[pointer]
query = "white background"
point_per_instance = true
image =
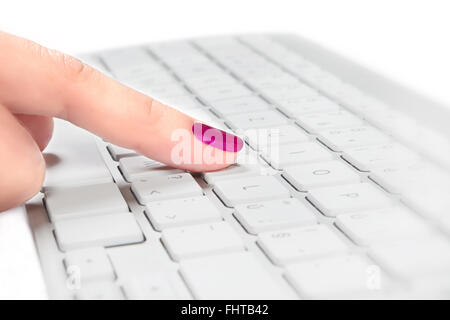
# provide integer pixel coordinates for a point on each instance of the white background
(407, 40)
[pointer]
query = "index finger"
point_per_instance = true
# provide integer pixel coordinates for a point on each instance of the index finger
(36, 80)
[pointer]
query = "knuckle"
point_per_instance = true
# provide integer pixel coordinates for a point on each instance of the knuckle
(71, 68)
(63, 64)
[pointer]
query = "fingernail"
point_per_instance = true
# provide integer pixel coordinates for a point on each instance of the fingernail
(217, 138)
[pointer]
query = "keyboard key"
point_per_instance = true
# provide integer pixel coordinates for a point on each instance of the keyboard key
(274, 215)
(336, 277)
(141, 167)
(297, 90)
(132, 75)
(126, 57)
(73, 158)
(164, 92)
(137, 261)
(146, 78)
(192, 70)
(328, 120)
(260, 119)
(104, 230)
(160, 188)
(342, 139)
(75, 202)
(304, 105)
(382, 225)
(155, 287)
(411, 259)
(100, 291)
(320, 174)
(335, 200)
(235, 171)
(183, 102)
(212, 94)
(230, 276)
(295, 154)
(273, 81)
(269, 138)
(250, 189)
(118, 152)
(400, 180)
(182, 212)
(240, 105)
(206, 116)
(430, 199)
(91, 264)
(366, 158)
(210, 80)
(287, 246)
(203, 239)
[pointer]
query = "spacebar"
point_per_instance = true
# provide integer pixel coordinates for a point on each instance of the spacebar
(72, 158)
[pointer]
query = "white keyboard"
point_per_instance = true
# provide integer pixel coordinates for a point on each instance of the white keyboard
(339, 206)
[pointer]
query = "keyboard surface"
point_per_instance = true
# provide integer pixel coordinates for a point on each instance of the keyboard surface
(325, 200)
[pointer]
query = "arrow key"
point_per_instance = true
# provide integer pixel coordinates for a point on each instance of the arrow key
(181, 212)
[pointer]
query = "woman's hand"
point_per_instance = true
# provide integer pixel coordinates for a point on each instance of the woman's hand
(37, 84)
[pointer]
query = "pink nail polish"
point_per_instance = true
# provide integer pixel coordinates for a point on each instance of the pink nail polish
(217, 138)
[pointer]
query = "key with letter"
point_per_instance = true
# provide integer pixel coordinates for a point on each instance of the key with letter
(328, 120)
(335, 200)
(269, 138)
(299, 153)
(258, 119)
(212, 94)
(320, 174)
(135, 168)
(309, 104)
(393, 155)
(342, 139)
(286, 246)
(383, 225)
(274, 215)
(240, 105)
(250, 189)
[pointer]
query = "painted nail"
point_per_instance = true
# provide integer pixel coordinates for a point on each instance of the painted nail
(217, 138)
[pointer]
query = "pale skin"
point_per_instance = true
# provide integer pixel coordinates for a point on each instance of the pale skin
(38, 84)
